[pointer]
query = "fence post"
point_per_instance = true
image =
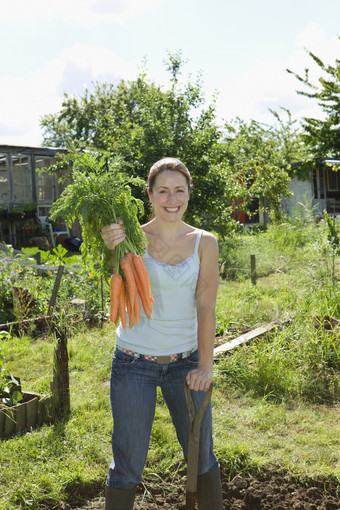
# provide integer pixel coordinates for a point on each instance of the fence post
(253, 269)
(37, 257)
(60, 385)
(55, 289)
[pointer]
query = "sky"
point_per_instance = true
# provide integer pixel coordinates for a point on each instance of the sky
(242, 49)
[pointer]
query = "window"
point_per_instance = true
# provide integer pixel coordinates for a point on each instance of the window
(22, 179)
(45, 181)
(318, 183)
(4, 191)
(333, 179)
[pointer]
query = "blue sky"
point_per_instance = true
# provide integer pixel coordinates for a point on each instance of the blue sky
(242, 48)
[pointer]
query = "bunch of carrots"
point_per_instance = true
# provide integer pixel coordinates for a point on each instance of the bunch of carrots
(130, 291)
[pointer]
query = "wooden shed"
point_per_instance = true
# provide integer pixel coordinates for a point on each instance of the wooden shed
(27, 193)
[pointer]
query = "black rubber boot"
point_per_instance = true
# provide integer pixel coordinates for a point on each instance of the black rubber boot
(209, 491)
(119, 499)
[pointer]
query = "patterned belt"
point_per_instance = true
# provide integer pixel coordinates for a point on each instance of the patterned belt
(161, 360)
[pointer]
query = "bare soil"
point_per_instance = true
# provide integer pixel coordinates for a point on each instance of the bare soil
(268, 491)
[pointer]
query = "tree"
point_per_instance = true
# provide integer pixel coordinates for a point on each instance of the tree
(323, 136)
(262, 155)
(140, 122)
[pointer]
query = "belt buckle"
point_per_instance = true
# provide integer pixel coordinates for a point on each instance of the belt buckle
(163, 360)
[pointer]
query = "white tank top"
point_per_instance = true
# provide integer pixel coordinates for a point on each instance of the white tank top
(173, 326)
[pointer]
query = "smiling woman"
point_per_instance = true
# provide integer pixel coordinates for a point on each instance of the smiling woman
(170, 195)
(173, 348)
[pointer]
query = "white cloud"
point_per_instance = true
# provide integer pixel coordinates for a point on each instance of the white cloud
(41, 93)
(268, 85)
(83, 12)
(77, 67)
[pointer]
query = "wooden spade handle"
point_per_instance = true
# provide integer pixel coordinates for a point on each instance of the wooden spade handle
(194, 441)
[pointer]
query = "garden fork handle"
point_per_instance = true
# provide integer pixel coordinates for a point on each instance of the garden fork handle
(194, 441)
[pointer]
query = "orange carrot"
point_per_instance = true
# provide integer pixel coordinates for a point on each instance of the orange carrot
(146, 307)
(140, 291)
(137, 308)
(129, 255)
(144, 277)
(144, 297)
(116, 283)
(131, 312)
(122, 311)
(129, 280)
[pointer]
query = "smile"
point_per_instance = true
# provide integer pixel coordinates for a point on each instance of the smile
(172, 209)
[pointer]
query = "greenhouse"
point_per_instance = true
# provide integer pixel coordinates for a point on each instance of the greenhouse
(27, 192)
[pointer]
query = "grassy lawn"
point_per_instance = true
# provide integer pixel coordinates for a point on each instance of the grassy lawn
(275, 400)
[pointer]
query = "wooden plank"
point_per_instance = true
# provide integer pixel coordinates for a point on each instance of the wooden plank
(21, 419)
(9, 421)
(8, 325)
(32, 412)
(253, 269)
(254, 333)
(55, 289)
(46, 410)
(2, 422)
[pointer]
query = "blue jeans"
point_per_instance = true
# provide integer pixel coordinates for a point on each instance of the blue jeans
(133, 391)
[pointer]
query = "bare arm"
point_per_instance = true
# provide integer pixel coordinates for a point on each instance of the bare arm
(206, 292)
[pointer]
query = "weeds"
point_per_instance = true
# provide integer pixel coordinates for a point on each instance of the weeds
(25, 294)
(295, 286)
(295, 363)
(333, 232)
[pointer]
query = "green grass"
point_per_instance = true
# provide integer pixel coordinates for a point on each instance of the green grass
(275, 400)
(69, 460)
(301, 439)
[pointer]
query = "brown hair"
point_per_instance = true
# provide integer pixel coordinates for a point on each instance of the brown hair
(173, 164)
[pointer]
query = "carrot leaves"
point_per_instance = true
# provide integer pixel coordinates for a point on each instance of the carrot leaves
(98, 195)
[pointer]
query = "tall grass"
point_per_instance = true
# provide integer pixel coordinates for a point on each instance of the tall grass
(299, 238)
(295, 288)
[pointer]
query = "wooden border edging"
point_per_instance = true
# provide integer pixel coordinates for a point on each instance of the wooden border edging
(254, 333)
(33, 411)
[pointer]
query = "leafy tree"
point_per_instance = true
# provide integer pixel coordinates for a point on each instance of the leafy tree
(262, 156)
(323, 136)
(141, 122)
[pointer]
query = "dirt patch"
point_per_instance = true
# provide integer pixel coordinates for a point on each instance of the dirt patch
(269, 491)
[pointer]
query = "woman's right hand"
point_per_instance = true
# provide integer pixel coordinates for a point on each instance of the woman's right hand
(113, 234)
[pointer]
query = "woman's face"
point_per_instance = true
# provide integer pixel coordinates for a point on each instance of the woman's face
(170, 195)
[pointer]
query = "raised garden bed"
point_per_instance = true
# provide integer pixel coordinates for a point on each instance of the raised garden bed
(32, 411)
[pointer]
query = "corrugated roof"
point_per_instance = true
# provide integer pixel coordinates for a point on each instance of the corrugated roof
(30, 149)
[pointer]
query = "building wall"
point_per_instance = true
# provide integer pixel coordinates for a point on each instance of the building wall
(302, 192)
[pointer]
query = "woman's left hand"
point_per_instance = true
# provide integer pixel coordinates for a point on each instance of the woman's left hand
(199, 379)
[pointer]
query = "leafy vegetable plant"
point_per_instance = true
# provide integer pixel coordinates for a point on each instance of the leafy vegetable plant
(10, 391)
(100, 194)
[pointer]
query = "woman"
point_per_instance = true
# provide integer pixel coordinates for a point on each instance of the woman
(174, 346)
